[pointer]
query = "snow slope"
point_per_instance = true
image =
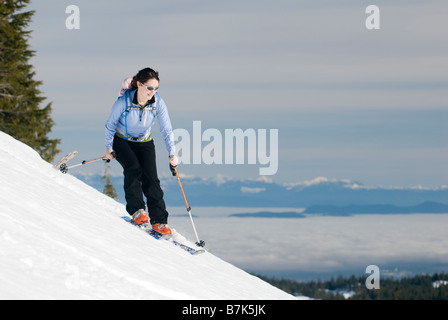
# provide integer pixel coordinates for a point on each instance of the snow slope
(62, 239)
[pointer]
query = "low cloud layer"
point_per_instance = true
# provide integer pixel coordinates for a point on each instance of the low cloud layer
(321, 244)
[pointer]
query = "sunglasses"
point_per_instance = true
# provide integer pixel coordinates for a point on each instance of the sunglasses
(150, 88)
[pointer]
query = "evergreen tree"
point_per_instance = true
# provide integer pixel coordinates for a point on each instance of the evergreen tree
(419, 287)
(20, 115)
(109, 188)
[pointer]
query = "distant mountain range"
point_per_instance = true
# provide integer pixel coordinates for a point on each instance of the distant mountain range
(425, 207)
(262, 192)
(330, 210)
(269, 214)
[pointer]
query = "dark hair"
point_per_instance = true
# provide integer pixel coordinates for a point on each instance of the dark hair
(143, 76)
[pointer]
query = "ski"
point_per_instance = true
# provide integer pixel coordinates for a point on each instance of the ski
(169, 237)
(155, 234)
(190, 250)
(62, 164)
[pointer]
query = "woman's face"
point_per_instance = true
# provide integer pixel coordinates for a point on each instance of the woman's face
(152, 84)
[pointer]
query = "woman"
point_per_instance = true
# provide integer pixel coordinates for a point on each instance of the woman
(129, 140)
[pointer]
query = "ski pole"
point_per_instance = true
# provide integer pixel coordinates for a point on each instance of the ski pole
(199, 243)
(64, 167)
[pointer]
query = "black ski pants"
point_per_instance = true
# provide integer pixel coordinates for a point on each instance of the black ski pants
(138, 160)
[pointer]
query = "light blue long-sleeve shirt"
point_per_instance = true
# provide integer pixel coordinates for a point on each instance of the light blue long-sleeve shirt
(139, 121)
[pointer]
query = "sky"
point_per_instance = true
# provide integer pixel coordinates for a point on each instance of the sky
(347, 102)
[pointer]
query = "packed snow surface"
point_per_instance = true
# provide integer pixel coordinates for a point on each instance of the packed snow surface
(62, 239)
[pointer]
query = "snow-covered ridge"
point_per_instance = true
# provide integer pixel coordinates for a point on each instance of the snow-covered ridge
(62, 239)
(268, 194)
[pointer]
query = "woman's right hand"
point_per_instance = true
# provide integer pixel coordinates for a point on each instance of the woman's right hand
(110, 154)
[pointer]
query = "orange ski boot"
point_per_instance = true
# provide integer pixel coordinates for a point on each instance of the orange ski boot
(140, 217)
(161, 228)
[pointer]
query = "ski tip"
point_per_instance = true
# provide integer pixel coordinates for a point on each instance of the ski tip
(65, 159)
(199, 251)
